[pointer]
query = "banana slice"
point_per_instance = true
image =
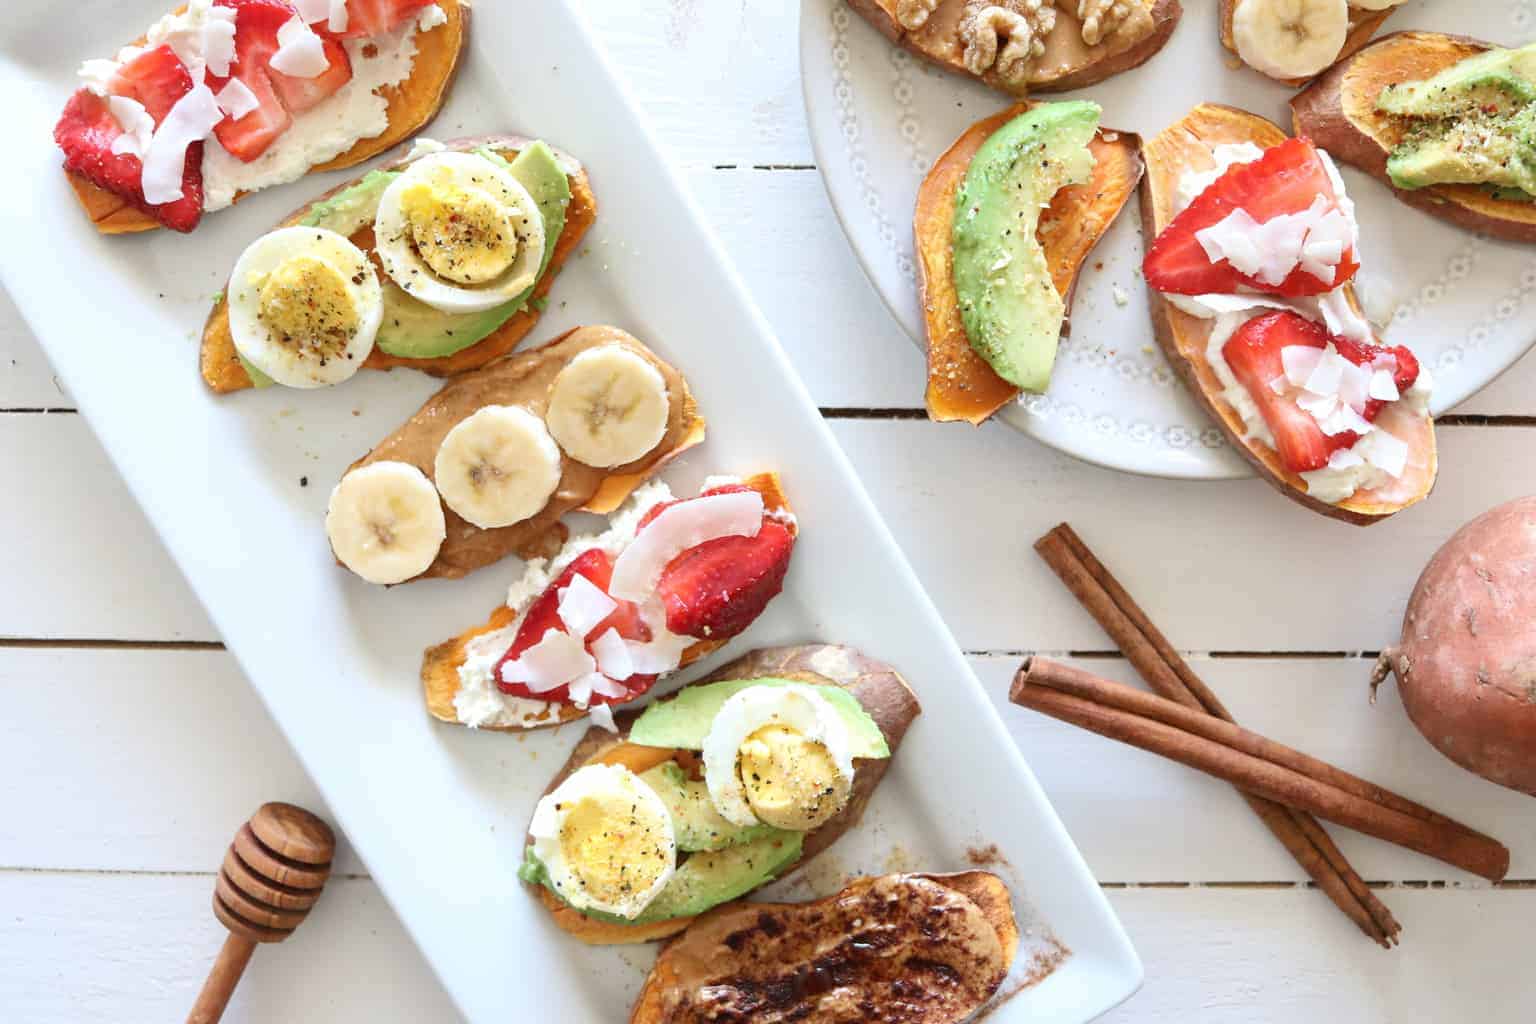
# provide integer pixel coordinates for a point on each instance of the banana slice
(1376, 5)
(385, 522)
(1290, 38)
(608, 407)
(498, 466)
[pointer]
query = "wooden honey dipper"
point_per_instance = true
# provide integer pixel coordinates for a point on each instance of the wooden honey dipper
(271, 876)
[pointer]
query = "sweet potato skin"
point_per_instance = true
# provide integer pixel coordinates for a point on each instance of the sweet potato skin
(1363, 25)
(1165, 16)
(1336, 112)
(961, 385)
(1183, 337)
(1466, 664)
(412, 105)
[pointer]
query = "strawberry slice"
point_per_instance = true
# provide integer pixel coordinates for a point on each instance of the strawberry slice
(375, 17)
(156, 78)
(85, 132)
(1285, 180)
(719, 588)
(1361, 355)
(544, 615)
(300, 94)
(256, 25)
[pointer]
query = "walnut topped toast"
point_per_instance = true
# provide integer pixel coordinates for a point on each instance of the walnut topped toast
(218, 98)
(729, 783)
(1022, 46)
(902, 949)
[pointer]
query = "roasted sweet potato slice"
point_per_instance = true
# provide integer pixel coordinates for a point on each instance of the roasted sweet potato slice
(1362, 26)
(1068, 62)
(440, 664)
(959, 928)
(961, 385)
(878, 687)
(221, 367)
(1187, 145)
(1338, 111)
(412, 104)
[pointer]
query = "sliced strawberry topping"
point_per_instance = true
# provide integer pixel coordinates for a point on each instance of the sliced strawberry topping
(1286, 180)
(299, 94)
(544, 615)
(256, 25)
(375, 17)
(87, 129)
(1406, 373)
(719, 588)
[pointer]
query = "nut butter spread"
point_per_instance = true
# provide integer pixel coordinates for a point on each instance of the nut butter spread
(943, 36)
(523, 379)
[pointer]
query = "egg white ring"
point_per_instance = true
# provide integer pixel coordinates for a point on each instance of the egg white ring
(743, 713)
(254, 341)
(404, 264)
(548, 820)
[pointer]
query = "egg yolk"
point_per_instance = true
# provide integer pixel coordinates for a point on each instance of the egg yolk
(305, 303)
(614, 851)
(790, 780)
(463, 234)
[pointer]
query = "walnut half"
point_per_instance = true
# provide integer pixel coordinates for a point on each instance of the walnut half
(913, 14)
(1100, 18)
(1024, 29)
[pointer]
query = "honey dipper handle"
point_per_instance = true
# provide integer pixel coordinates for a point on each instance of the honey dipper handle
(233, 957)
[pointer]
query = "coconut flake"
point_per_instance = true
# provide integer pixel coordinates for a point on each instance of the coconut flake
(1383, 386)
(1344, 420)
(583, 606)
(664, 651)
(612, 655)
(300, 53)
(549, 664)
(1280, 385)
(1326, 375)
(218, 40)
(1320, 406)
(236, 99)
(602, 717)
(1300, 361)
(1344, 458)
(313, 10)
(678, 528)
(1387, 453)
(336, 19)
(138, 127)
(189, 121)
(98, 75)
(1355, 386)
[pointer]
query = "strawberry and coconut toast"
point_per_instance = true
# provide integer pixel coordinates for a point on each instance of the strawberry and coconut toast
(223, 97)
(1254, 247)
(668, 582)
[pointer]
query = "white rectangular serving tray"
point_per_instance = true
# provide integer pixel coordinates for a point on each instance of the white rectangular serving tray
(438, 813)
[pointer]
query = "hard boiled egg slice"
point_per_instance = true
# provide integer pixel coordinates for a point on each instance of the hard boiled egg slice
(605, 840)
(459, 232)
(778, 755)
(304, 306)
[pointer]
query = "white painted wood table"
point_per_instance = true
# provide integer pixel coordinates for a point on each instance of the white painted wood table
(131, 747)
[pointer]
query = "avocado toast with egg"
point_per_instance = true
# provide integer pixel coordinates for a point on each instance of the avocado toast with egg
(799, 735)
(522, 209)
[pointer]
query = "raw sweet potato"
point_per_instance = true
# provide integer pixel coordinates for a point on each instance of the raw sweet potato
(412, 104)
(961, 385)
(1338, 112)
(1067, 63)
(1187, 145)
(1362, 26)
(1466, 663)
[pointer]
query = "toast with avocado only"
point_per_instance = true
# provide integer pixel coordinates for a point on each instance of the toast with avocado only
(1445, 121)
(1292, 40)
(673, 580)
(1046, 165)
(724, 786)
(221, 98)
(489, 465)
(1252, 252)
(443, 316)
(1022, 46)
(915, 948)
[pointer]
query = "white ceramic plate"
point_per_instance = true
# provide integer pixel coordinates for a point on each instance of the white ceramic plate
(438, 812)
(880, 116)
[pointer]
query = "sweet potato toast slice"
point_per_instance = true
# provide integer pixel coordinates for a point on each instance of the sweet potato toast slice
(440, 664)
(1338, 112)
(961, 385)
(221, 367)
(878, 687)
(1362, 26)
(412, 104)
(1068, 62)
(758, 951)
(1187, 145)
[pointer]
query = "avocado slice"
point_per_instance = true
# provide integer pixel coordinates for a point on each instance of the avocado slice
(704, 880)
(696, 824)
(683, 721)
(1008, 303)
(1497, 150)
(1498, 81)
(412, 329)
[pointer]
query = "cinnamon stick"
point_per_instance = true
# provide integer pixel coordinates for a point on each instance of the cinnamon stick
(1150, 653)
(1250, 762)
